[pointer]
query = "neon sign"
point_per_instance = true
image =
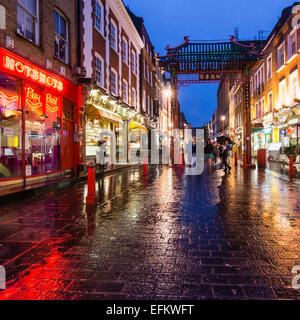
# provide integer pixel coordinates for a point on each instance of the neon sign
(51, 103)
(7, 102)
(32, 98)
(32, 73)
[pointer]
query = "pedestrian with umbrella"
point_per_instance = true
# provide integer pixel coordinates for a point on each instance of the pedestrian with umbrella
(225, 154)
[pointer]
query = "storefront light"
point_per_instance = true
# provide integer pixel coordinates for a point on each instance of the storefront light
(93, 93)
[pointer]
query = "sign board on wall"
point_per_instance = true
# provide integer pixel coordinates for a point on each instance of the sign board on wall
(8, 132)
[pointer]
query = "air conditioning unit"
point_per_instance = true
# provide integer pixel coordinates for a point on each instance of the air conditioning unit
(77, 71)
(62, 70)
(9, 42)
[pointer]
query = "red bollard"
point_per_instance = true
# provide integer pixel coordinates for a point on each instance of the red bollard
(182, 161)
(245, 161)
(236, 158)
(91, 197)
(145, 170)
(291, 171)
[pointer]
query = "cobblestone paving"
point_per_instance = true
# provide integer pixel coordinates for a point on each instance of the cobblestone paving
(167, 236)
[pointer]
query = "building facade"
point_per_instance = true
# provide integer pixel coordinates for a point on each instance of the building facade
(40, 96)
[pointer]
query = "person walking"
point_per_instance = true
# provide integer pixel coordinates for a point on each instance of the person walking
(225, 154)
(215, 152)
(208, 150)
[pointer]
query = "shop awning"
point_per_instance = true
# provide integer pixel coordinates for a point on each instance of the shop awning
(133, 125)
(96, 112)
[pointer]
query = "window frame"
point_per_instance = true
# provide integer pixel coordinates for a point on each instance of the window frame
(115, 93)
(115, 47)
(292, 35)
(67, 61)
(270, 107)
(126, 57)
(269, 67)
(279, 56)
(125, 97)
(102, 82)
(133, 97)
(102, 19)
(36, 24)
(133, 62)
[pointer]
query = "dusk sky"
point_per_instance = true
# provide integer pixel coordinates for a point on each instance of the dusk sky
(168, 21)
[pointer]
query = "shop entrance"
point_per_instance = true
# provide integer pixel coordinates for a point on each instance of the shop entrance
(67, 146)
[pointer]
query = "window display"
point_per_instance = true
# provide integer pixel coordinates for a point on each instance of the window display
(10, 129)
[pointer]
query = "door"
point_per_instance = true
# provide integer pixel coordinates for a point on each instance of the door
(67, 147)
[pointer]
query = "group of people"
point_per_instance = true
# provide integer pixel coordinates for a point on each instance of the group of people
(214, 150)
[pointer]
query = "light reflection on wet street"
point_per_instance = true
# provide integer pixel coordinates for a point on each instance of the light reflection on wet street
(166, 236)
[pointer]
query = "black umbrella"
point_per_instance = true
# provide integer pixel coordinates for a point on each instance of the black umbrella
(222, 139)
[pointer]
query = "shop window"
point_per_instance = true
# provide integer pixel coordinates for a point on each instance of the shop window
(10, 129)
(99, 16)
(27, 19)
(113, 35)
(124, 51)
(42, 131)
(61, 37)
(99, 70)
(114, 82)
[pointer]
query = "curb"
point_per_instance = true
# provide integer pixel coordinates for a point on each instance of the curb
(57, 185)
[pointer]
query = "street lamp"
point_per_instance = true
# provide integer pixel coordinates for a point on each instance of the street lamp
(223, 118)
(167, 93)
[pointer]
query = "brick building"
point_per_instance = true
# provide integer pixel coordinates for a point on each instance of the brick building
(111, 49)
(40, 100)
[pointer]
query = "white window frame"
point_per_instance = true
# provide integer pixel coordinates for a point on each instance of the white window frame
(270, 107)
(293, 94)
(125, 58)
(133, 62)
(269, 67)
(282, 93)
(125, 91)
(292, 36)
(101, 82)
(99, 6)
(116, 91)
(67, 37)
(279, 56)
(260, 76)
(133, 97)
(36, 22)
(114, 44)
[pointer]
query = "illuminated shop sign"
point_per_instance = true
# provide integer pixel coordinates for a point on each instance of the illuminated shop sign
(33, 98)
(32, 73)
(8, 102)
(52, 102)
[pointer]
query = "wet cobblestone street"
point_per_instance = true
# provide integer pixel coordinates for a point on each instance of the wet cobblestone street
(167, 236)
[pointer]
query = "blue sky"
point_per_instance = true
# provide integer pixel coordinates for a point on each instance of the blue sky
(168, 21)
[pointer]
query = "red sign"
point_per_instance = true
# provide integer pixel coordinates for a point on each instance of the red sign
(32, 73)
(52, 103)
(33, 98)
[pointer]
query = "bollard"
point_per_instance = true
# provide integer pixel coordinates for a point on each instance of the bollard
(291, 171)
(236, 158)
(245, 161)
(145, 170)
(91, 197)
(182, 161)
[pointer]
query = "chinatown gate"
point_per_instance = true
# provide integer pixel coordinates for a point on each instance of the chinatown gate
(212, 61)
